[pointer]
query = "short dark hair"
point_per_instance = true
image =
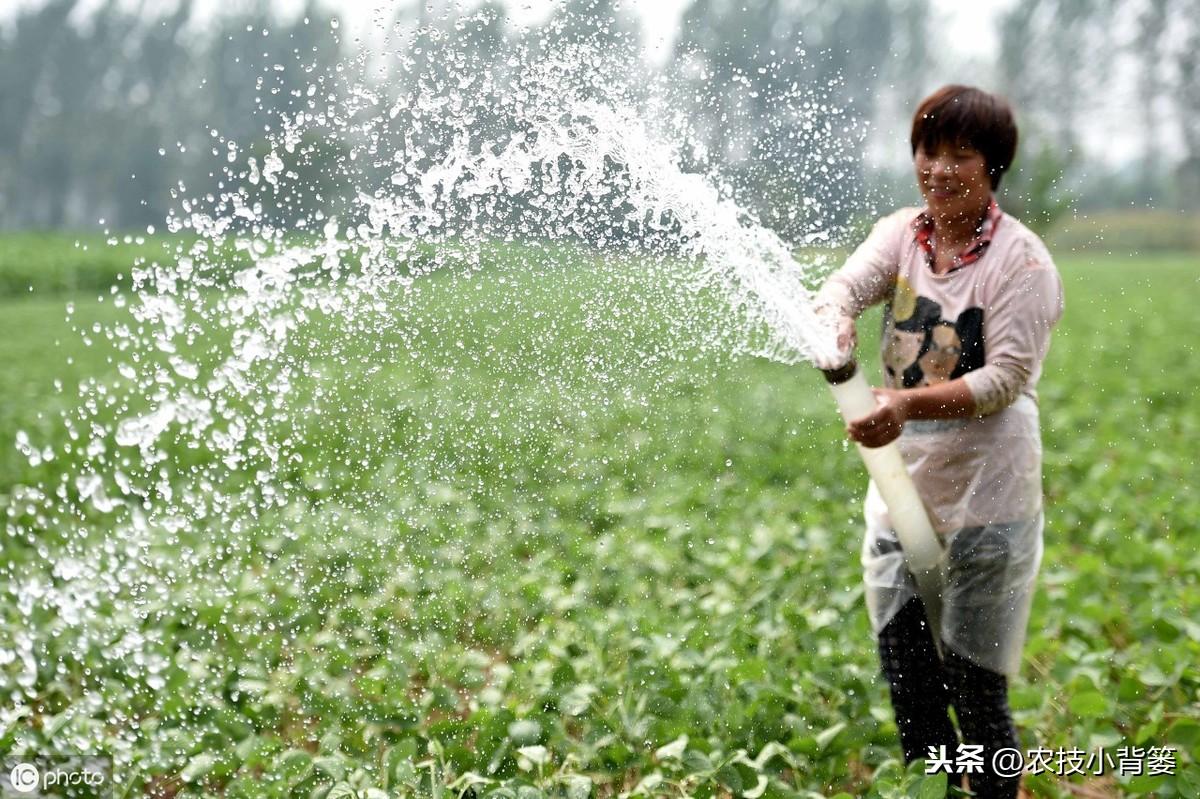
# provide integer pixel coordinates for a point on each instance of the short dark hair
(966, 115)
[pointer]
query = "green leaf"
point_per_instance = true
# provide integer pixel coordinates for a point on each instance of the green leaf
(1188, 782)
(1155, 677)
(1145, 783)
(340, 790)
(534, 755)
(235, 727)
(294, 764)
(578, 787)
(825, 737)
(331, 767)
(648, 783)
(696, 762)
(524, 731)
(749, 670)
(1145, 733)
(673, 749)
(199, 766)
(933, 786)
(772, 749)
(502, 792)
(403, 772)
(760, 787)
(1089, 704)
(405, 748)
(729, 777)
(1185, 733)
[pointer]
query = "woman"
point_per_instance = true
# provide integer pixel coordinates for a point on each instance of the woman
(985, 294)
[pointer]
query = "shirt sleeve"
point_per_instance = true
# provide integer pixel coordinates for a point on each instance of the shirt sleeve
(869, 274)
(1016, 332)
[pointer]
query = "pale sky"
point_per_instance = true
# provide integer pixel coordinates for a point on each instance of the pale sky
(659, 17)
(958, 23)
(963, 21)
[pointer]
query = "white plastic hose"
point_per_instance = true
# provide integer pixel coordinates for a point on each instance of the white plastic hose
(922, 547)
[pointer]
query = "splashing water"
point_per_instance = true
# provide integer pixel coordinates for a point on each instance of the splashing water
(306, 274)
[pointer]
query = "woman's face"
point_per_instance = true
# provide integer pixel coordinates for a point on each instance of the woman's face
(953, 180)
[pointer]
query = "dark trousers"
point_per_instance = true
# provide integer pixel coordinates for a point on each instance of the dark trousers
(923, 686)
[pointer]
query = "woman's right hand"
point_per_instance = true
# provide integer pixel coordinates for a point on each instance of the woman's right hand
(840, 328)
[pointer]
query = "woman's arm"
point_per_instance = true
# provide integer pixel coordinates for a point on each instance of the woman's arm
(1017, 332)
(867, 277)
(1017, 335)
(950, 400)
(869, 274)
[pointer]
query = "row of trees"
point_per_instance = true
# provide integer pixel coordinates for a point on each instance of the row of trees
(1085, 72)
(103, 112)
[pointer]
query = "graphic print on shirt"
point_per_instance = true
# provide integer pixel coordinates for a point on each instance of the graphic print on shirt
(923, 349)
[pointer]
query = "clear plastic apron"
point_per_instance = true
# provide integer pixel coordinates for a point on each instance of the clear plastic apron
(988, 578)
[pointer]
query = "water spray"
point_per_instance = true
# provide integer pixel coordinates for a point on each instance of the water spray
(299, 418)
(921, 545)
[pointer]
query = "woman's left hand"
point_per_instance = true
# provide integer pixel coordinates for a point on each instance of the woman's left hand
(883, 425)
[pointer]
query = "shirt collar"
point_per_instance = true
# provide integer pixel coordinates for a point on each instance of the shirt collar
(923, 227)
